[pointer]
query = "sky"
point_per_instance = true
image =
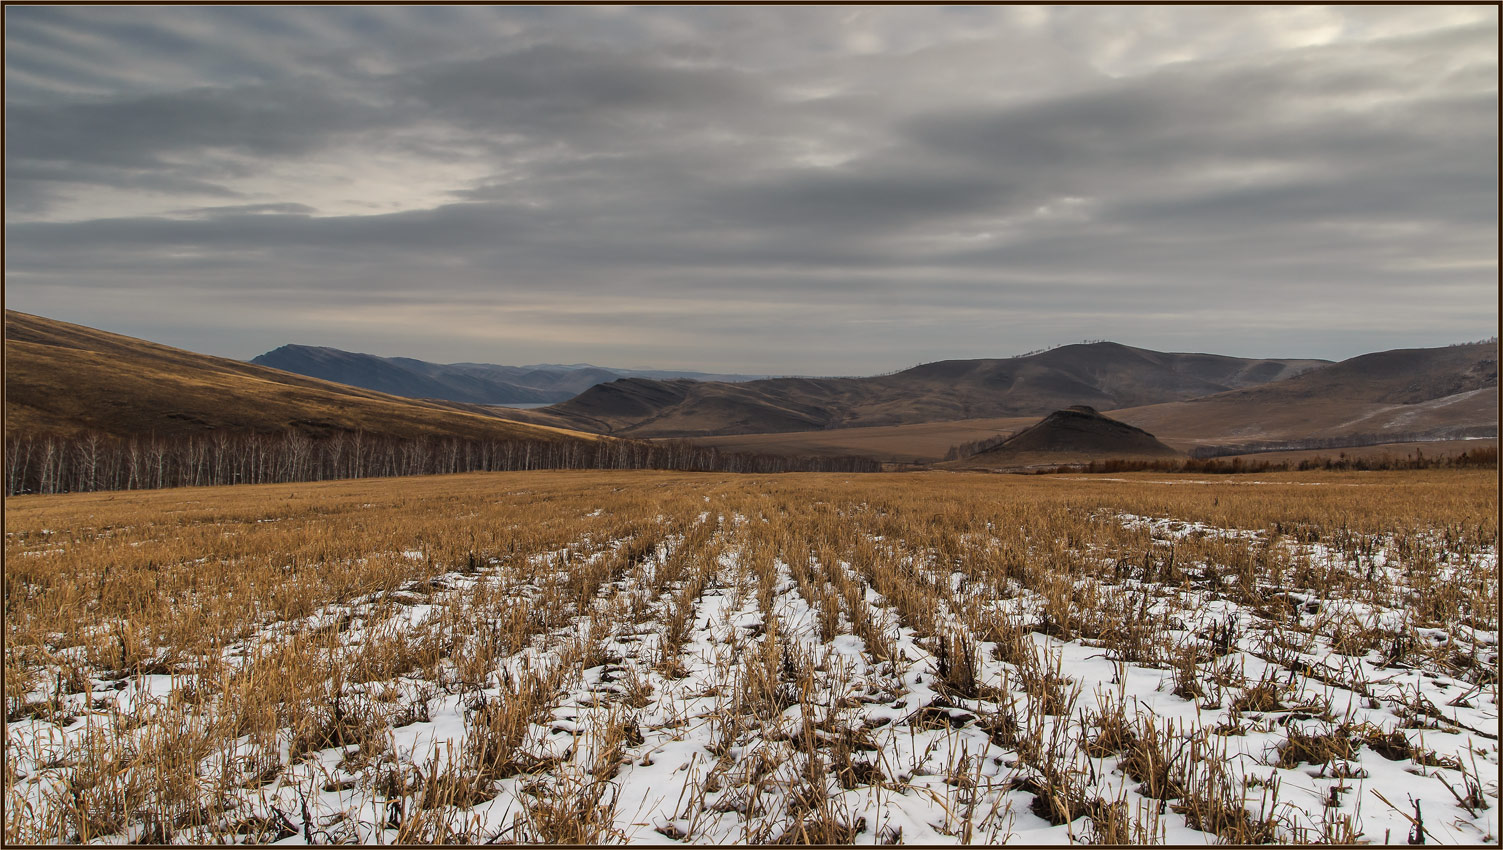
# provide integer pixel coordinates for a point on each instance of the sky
(777, 190)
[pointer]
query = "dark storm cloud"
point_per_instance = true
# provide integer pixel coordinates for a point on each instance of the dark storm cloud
(869, 201)
(719, 172)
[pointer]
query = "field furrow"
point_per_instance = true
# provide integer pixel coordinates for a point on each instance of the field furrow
(664, 658)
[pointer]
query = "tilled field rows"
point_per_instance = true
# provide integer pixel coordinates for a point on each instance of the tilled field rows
(710, 659)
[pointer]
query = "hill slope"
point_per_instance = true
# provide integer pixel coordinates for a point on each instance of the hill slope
(1362, 396)
(1430, 392)
(62, 378)
(1103, 375)
(473, 383)
(1072, 435)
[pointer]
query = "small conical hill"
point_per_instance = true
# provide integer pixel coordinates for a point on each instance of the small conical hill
(1073, 435)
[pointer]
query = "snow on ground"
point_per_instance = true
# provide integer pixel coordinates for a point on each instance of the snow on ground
(724, 695)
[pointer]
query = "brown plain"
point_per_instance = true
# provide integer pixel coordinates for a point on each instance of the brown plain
(111, 585)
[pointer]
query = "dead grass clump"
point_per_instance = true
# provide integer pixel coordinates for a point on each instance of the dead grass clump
(1393, 745)
(772, 679)
(1186, 674)
(498, 727)
(1009, 639)
(454, 788)
(1157, 758)
(1315, 748)
(1049, 691)
(1109, 731)
(1053, 801)
(955, 661)
(570, 810)
(1266, 695)
(333, 722)
(1217, 804)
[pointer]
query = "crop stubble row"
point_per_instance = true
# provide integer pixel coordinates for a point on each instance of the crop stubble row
(811, 658)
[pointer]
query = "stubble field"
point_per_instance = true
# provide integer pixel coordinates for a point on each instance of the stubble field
(704, 658)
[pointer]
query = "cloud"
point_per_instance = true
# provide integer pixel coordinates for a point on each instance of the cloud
(983, 178)
(287, 208)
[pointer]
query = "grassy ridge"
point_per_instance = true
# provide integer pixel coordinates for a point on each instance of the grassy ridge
(64, 379)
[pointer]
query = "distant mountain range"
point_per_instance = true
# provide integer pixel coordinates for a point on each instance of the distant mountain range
(1104, 375)
(1402, 395)
(67, 379)
(470, 383)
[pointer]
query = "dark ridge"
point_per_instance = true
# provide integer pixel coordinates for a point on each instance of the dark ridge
(465, 383)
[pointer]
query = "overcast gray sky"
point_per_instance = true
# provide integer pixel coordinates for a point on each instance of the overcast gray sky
(813, 190)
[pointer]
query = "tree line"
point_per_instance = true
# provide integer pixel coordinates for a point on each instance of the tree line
(1483, 457)
(1346, 441)
(43, 463)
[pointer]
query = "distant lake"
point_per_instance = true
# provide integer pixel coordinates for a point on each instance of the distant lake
(527, 406)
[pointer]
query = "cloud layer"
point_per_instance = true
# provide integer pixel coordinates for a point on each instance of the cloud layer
(804, 190)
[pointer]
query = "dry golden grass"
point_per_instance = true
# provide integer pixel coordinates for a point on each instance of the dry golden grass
(287, 634)
(923, 442)
(62, 379)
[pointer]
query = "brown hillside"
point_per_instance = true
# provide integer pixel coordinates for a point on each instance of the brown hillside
(1449, 391)
(64, 379)
(1104, 375)
(1428, 391)
(1073, 435)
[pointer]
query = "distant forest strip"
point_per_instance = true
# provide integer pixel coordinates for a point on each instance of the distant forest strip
(974, 447)
(92, 461)
(1346, 441)
(1486, 456)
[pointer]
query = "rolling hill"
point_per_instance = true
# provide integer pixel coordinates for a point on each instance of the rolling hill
(1074, 435)
(64, 379)
(1103, 375)
(1429, 393)
(1426, 393)
(473, 383)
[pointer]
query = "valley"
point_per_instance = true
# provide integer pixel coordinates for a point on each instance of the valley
(472, 383)
(736, 424)
(571, 636)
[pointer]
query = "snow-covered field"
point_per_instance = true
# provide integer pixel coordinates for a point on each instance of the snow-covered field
(744, 667)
